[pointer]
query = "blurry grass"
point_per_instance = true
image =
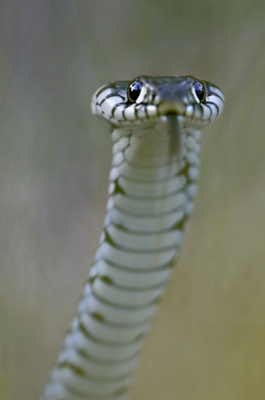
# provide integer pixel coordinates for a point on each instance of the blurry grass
(207, 341)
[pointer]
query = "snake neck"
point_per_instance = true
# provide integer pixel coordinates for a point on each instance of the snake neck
(150, 198)
(148, 178)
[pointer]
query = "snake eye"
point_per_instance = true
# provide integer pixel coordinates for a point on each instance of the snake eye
(134, 91)
(200, 91)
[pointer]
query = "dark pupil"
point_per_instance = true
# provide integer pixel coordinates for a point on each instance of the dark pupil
(199, 90)
(134, 91)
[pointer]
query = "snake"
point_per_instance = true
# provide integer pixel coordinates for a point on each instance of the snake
(156, 127)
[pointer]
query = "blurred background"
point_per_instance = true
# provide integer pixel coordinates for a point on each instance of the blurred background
(208, 338)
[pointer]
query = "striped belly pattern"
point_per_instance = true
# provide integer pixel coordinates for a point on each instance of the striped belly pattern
(151, 195)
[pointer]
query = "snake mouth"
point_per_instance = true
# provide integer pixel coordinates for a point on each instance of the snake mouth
(171, 107)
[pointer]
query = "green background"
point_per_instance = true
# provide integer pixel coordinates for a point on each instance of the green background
(208, 339)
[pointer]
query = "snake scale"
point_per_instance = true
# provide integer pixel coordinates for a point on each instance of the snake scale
(156, 123)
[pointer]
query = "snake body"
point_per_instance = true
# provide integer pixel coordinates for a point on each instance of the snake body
(156, 124)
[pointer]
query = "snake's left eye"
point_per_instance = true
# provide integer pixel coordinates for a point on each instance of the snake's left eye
(134, 91)
(200, 91)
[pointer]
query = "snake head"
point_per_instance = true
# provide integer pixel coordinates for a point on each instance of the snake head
(146, 100)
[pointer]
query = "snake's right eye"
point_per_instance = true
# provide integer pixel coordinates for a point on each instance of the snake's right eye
(200, 91)
(134, 91)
